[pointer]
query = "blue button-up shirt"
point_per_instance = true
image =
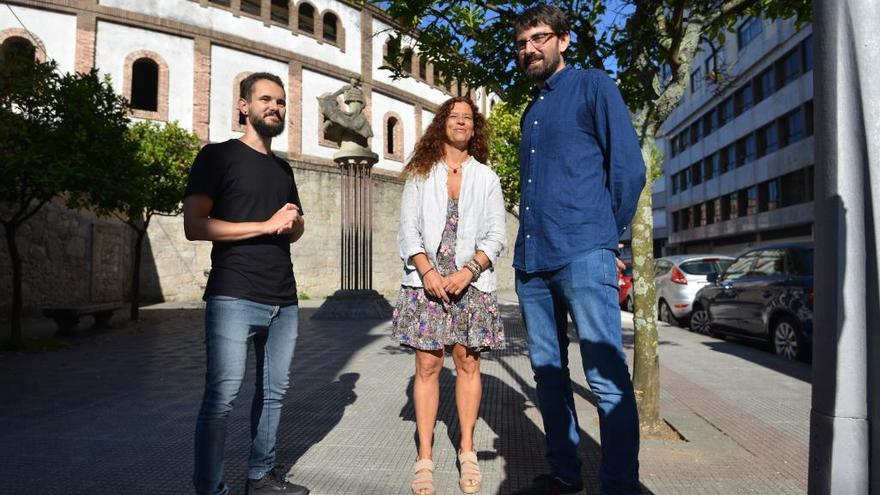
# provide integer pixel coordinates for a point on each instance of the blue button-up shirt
(581, 170)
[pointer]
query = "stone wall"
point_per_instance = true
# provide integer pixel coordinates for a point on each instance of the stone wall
(68, 257)
(75, 257)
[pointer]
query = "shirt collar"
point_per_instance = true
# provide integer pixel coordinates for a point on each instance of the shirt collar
(551, 83)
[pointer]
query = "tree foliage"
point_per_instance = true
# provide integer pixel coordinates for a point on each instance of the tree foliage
(62, 135)
(154, 184)
(504, 150)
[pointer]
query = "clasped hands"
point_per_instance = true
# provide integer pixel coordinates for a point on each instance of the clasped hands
(451, 285)
(284, 220)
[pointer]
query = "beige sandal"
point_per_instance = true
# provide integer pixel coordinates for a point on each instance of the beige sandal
(471, 478)
(423, 477)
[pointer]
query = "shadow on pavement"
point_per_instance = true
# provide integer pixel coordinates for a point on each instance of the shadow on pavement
(511, 413)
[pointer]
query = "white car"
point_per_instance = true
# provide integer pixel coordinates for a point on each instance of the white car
(677, 280)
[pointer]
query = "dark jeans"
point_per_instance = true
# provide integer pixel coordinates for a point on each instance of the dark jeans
(229, 324)
(588, 289)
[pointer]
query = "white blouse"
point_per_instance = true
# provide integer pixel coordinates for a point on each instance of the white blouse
(481, 221)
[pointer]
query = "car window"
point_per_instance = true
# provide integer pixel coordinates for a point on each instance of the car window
(740, 267)
(703, 267)
(802, 259)
(770, 262)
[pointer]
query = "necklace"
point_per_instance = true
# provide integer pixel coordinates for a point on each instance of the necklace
(454, 169)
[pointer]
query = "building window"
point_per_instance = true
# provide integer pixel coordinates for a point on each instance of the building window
(764, 84)
(222, 3)
(696, 80)
(393, 143)
(748, 31)
(742, 202)
(807, 50)
(685, 218)
(697, 173)
(331, 31)
(710, 122)
(676, 226)
(306, 18)
(725, 111)
(16, 47)
(699, 215)
(684, 179)
(768, 139)
(788, 68)
(744, 99)
(716, 208)
(796, 187)
(712, 166)
(280, 11)
(808, 114)
(709, 209)
(793, 127)
(251, 7)
(752, 205)
(408, 61)
(145, 85)
(728, 207)
(423, 68)
(768, 195)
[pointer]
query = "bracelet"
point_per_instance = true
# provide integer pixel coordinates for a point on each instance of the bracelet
(426, 272)
(475, 268)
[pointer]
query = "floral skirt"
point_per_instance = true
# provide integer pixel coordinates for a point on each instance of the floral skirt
(426, 323)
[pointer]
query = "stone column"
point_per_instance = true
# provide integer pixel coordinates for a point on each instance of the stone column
(845, 415)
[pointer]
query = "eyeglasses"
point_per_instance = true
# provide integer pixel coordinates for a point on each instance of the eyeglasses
(538, 40)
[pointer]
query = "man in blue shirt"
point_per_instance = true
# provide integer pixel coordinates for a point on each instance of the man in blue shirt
(581, 173)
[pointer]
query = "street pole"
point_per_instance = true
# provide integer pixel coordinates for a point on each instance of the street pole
(844, 444)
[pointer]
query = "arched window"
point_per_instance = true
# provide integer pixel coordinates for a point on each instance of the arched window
(408, 61)
(423, 68)
(330, 27)
(306, 18)
(393, 145)
(280, 12)
(17, 47)
(145, 85)
(17, 43)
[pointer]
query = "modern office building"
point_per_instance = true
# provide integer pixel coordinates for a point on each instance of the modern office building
(738, 149)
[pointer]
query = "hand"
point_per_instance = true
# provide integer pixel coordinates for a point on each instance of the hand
(283, 220)
(456, 283)
(621, 266)
(433, 283)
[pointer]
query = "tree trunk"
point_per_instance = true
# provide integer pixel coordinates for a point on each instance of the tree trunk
(15, 257)
(136, 268)
(646, 361)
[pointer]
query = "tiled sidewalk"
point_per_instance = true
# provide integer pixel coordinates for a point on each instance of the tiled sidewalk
(115, 414)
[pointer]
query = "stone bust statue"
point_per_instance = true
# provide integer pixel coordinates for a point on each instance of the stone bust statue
(346, 127)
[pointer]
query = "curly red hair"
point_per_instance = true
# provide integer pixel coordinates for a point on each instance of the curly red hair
(429, 149)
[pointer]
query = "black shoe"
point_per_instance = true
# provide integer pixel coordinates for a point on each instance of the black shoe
(547, 484)
(274, 483)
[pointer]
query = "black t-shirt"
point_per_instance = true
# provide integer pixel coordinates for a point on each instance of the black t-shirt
(247, 186)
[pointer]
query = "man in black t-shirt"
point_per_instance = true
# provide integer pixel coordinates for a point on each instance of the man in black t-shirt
(243, 198)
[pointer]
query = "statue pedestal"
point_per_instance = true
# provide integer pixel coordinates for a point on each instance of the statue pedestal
(356, 298)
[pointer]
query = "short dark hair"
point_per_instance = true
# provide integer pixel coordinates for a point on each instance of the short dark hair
(550, 15)
(246, 86)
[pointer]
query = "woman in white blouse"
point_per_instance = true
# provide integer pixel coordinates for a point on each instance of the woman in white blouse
(451, 232)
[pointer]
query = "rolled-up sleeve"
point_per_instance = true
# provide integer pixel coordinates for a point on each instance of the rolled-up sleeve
(623, 155)
(495, 240)
(409, 235)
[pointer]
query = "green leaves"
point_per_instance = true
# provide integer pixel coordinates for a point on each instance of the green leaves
(504, 149)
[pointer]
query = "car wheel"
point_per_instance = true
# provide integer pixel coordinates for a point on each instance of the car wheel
(630, 307)
(700, 321)
(787, 340)
(666, 314)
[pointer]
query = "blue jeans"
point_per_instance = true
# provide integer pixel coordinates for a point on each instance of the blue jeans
(587, 288)
(229, 324)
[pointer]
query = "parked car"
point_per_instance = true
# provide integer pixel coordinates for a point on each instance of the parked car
(765, 295)
(624, 283)
(677, 280)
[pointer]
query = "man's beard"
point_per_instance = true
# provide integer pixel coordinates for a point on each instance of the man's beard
(544, 70)
(264, 128)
